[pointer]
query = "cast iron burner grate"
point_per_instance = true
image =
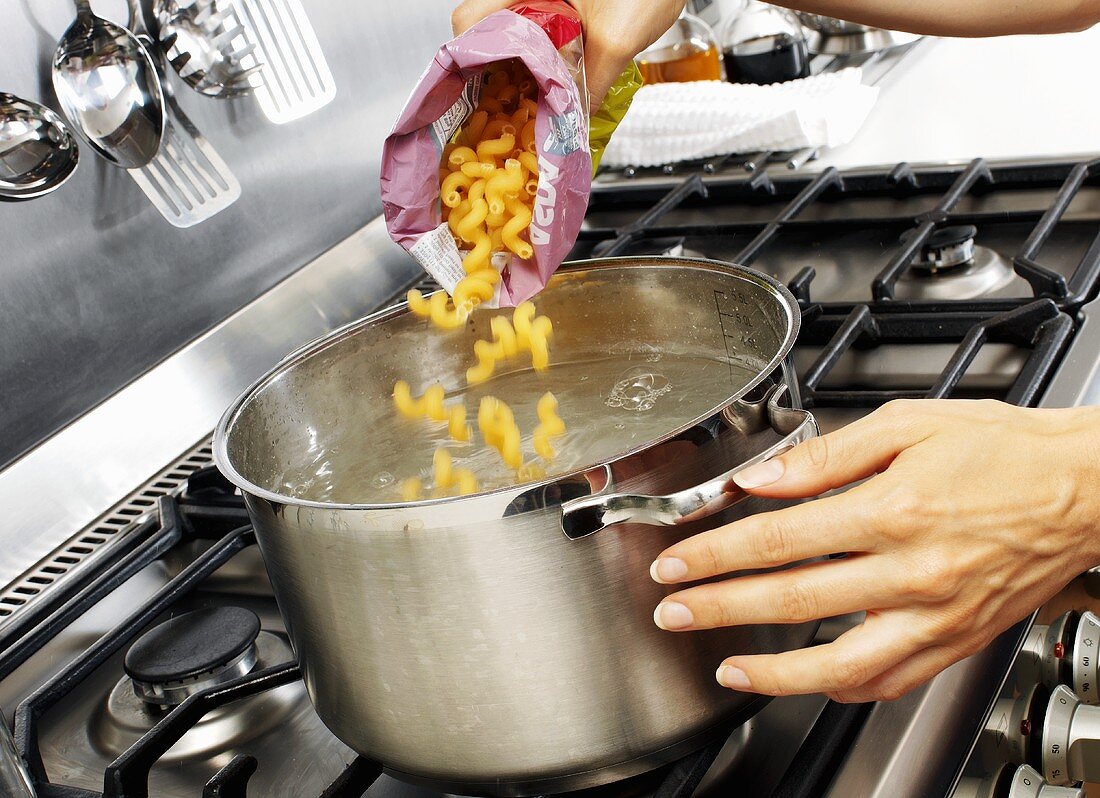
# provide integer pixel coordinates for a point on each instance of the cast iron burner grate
(738, 209)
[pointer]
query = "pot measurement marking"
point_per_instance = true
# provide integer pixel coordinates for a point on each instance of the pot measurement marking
(735, 321)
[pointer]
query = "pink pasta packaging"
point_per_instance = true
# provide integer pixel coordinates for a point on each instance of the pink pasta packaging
(486, 175)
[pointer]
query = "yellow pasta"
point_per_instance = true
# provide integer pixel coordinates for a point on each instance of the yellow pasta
(478, 169)
(530, 471)
(486, 419)
(466, 481)
(443, 316)
(453, 186)
(403, 400)
(456, 214)
(547, 409)
(521, 320)
(457, 427)
(470, 223)
(506, 182)
(474, 127)
(411, 489)
(491, 104)
(530, 162)
(442, 472)
(519, 117)
(549, 426)
(476, 287)
(510, 233)
(417, 303)
(487, 356)
(489, 175)
(488, 180)
(478, 258)
(504, 335)
(430, 405)
(510, 450)
(499, 429)
(527, 136)
(540, 343)
(461, 155)
(490, 148)
(433, 403)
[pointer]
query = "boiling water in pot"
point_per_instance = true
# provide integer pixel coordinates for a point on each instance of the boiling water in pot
(611, 404)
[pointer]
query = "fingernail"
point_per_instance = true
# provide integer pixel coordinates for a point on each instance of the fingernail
(671, 615)
(759, 475)
(733, 678)
(668, 569)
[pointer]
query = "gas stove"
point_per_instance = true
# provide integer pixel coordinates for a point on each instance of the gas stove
(141, 650)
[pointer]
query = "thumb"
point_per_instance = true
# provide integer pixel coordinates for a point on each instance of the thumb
(862, 448)
(602, 68)
(472, 12)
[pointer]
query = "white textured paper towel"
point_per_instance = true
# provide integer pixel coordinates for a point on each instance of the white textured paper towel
(671, 122)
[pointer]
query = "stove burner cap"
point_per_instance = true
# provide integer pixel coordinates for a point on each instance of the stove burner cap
(947, 248)
(192, 652)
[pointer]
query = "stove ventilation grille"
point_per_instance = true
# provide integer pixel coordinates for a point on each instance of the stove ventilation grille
(95, 540)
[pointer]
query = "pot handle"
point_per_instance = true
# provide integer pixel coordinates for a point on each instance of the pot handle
(587, 515)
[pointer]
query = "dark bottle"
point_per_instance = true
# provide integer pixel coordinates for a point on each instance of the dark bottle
(764, 44)
(768, 59)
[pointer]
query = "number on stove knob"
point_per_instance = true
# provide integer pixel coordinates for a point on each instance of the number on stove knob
(1083, 661)
(1027, 783)
(1071, 739)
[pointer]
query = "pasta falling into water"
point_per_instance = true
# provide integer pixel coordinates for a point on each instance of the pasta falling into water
(550, 425)
(489, 177)
(526, 332)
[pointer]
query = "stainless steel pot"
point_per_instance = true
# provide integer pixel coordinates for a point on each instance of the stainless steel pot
(831, 36)
(823, 24)
(503, 643)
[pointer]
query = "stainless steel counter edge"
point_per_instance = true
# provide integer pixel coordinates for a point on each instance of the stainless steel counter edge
(58, 488)
(905, 746)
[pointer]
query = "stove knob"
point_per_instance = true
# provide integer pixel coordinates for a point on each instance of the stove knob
(1042, 656)
(1084, 658)
(1071, 739)
(1009, 734)
(1011, 782)
(1027, 783)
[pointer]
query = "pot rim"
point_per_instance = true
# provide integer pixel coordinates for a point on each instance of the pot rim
(221, 432)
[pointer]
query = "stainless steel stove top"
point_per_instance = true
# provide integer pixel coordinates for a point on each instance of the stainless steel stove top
(891, 305)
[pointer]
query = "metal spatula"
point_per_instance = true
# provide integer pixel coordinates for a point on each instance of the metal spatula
(187, 181)
(295, 78)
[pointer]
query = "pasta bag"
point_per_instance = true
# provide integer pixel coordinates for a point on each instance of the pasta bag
(521, 235)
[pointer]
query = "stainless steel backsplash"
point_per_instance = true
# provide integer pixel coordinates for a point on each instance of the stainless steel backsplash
(95, 287)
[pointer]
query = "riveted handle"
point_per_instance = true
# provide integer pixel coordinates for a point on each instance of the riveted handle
(590, 514)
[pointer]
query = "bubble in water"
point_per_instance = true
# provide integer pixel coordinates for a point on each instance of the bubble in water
(638, 390)
(382, 479)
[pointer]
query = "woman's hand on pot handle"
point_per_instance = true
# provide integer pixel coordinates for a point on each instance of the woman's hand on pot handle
(975, 513)
(614, 32)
